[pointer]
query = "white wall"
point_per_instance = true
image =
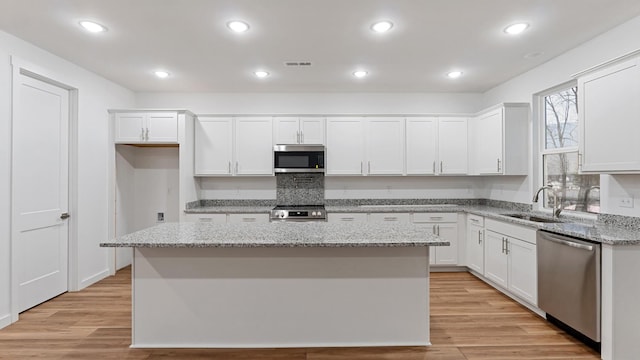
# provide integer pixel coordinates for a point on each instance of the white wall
(410, 187)
(616, 42)
(96, 95)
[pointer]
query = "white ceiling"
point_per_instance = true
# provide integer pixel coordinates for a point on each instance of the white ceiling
(189, 38)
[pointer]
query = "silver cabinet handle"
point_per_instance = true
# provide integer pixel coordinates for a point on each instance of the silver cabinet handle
(229, 167)
(252, 219)
(506, 246)
(390, 218)
(361, 169)
(142, 134)
(236, 167)
(346, 219)
(64, 216)
(502, 245)
(368, 167)
(146, 136)
(434, 166)
(298, 136)
(474, 220)
(440, 167)
(568, 243)
(438, 227)
(498, 165)
(479, 237)
(301, 137)
(434, 230)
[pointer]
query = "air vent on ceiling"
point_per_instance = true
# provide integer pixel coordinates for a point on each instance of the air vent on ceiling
(297, 63)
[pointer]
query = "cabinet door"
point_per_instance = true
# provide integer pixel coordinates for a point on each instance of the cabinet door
(523, 268)
(254, 146)
(422, 143)
(286, 130)
(495, 259)
(475, 247)
(162, 127)
(130, 128)
(385, 146)
(447, 255)
(452, 146)
(608, 115)
(489, 140)
(312, 130)
(213, 146)
(345, 146)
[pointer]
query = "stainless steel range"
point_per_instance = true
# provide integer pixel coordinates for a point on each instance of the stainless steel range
(298, 213)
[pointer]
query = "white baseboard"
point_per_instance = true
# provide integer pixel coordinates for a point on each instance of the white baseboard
(5, 320)
(93, 279)
(278, 346)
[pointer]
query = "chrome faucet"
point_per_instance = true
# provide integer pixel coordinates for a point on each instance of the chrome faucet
(586, 195)
(557, 208)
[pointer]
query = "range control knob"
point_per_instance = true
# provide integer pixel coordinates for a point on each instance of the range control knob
(313, 213)
(282, 214)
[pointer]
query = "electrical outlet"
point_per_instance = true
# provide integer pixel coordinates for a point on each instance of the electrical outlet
(160, 217)
(626, 202)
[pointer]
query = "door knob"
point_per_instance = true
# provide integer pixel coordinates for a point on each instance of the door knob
(64, 216)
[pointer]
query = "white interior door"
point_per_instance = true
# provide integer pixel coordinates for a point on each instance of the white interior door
(40, 190)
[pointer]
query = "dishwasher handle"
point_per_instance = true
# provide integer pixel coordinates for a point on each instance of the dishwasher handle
(562, 241)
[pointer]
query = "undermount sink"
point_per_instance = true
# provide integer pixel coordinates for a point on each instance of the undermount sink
(533, 218)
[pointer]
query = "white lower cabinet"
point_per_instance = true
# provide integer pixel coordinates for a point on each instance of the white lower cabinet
(475, 243)
(346, 217)
(510, 259)
(248, 218)
(444, 225)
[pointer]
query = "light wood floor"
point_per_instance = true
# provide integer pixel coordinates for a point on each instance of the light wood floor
(469, 320)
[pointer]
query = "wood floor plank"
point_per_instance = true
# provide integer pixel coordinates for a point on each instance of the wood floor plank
(469, 321)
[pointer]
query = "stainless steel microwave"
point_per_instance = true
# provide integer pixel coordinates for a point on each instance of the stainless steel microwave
(298, 158)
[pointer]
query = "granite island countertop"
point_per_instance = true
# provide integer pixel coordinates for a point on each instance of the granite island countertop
(279, 234)
(620, 234)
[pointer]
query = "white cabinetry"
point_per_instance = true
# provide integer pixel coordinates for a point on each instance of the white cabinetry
(248, 218)
(213, 146)
(240, 146)
(345, 146)
(358, 146)
(390, 217)
(295, 130)
(346, 217)
(510, 259)
(499, 141)
(208, 218)
(609, 117)
(146, 127)
(436, 146)
(444, 225)
(385, 146)
(475, 243)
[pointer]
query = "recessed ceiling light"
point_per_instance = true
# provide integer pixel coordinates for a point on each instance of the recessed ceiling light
(382, 26)
(516, 29)
(360, 73)
(93, 27)
(238, 26)
(261, 74)
(161, 74)
(454, 74)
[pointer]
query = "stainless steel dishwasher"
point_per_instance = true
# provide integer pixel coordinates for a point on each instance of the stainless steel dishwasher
(569, 282)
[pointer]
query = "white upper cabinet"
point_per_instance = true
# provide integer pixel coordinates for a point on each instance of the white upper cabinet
(146, 127)
(294, 130)
(213, 146)
(422, 145)
(499, 141)
(452, 146)
(253, 146)
(385, 146)
(609, 117)
(436, 146)
(240, 146)
(345, 146)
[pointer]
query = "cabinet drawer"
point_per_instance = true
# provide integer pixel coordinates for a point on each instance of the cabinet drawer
(248, 218)
(475, 220)
(435, 217)
(511, 230)
(390, 217)
(347, 217)
(210, 218)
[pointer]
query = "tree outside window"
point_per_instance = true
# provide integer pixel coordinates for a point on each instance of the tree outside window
(560, 155)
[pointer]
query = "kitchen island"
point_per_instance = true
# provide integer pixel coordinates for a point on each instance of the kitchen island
(280, 284)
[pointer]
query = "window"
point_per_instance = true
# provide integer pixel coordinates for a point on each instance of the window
(575, 191)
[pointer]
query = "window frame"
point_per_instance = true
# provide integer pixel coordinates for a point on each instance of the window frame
(542, 151)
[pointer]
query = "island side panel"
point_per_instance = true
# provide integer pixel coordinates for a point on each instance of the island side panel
(280, 297)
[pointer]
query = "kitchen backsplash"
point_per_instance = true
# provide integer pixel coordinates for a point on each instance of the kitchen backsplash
(300, 189)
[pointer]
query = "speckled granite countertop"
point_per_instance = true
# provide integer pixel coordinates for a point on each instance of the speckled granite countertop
(278, 234)
(614, 234)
